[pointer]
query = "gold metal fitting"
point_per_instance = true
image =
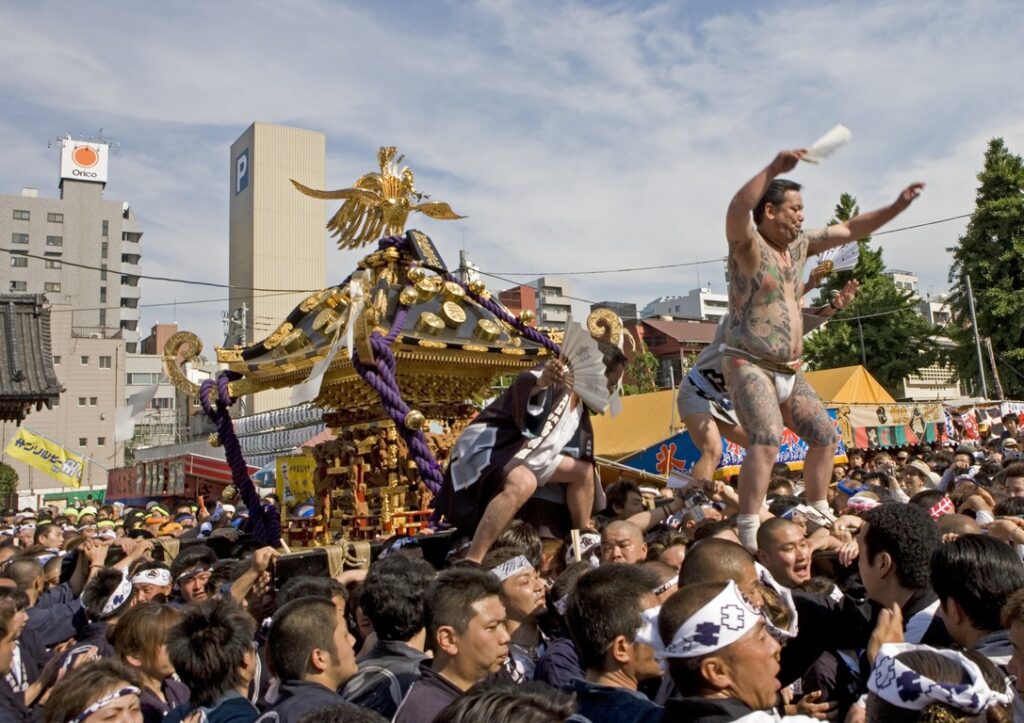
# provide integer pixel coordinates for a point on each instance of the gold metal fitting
(409, 296)
(477, 286)
(453, 291)
(214, 440)
(487, 330)
(453, 314)
(415, 420)
(430, 324)
(416, 273)
(527, 316)
(425, 289)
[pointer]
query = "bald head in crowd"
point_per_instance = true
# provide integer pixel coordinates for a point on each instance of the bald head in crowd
(623, 543)
(717, 560)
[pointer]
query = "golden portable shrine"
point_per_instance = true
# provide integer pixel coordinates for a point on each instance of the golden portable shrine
(394, 355)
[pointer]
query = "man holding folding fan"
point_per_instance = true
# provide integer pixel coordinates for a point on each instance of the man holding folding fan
(767, 251)
(537, 432)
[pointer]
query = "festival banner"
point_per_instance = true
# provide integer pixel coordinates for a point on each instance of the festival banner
(875, 426)
(48, 457)
(679, 453)
(295, 478)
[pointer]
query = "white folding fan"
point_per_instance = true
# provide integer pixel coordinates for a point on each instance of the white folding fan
(842, 258)
(828, 144)
(584, 357)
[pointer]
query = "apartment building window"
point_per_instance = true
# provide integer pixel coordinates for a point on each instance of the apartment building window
(103, 272)
(85, 361)
(105, 362)
(161, 403)
(52, 286)
(93, 401)
(56, 358)
(21, 215)
(82, 441)
(81, 401)
(19, 286)
(52, 263)
(55, 217)
(100, 441)
(103, 294)
(19, 238)
(104, 250)
(19, 261)
(103, 317)
(106, 228)
(54, 240)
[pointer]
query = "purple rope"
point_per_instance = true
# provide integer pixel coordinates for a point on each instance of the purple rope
(381, 377)
(265, 525)
(528, 331)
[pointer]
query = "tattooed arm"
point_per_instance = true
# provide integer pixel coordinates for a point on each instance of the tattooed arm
(864, 224)
(739, 228)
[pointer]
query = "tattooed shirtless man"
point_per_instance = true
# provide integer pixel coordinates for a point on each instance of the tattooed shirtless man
(764, 336)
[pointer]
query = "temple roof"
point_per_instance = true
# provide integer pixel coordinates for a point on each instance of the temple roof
(27, 376)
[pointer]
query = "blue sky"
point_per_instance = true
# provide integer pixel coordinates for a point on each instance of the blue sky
(575, 135)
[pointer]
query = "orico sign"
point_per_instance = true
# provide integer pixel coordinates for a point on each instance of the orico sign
(84, 161)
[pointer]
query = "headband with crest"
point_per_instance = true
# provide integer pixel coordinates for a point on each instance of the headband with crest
(511, 567)
(898, 684)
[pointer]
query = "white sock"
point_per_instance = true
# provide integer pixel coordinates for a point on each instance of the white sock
(822, 507)
(747, 526)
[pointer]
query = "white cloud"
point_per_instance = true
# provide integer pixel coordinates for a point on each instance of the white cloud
(574, 135)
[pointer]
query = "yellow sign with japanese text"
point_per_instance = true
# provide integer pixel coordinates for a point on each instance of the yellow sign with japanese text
(295, 478)
(48, 457)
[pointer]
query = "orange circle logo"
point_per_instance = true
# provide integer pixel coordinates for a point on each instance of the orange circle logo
(85, 157)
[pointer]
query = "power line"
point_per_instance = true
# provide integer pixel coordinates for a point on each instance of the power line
(715, 260)
(512, 281)
(170, 279)
(158, 305)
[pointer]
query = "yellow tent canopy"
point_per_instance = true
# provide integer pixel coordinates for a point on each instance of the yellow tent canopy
(848, 385)
(645, 419)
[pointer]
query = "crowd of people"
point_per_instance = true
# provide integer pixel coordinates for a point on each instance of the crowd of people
(905, 603)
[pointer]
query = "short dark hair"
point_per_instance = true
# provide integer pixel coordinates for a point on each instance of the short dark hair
(297, 629)
(42, 531)
(604, 605)
(523, 535)
(190, 557)
(685, 672)
(142, 631)
(309, 586)
(392, 596)
(618, 492)
(533, 702)
(766, 532)
(979, 573)
(24, 571)
(775, 194)
(926, 499)
(910, 537)
(1009, 507)
(208, 647)
(99, 590)
(342, 713)
(714, 559)
(1013, 470)
(83, 686)
(451, 596)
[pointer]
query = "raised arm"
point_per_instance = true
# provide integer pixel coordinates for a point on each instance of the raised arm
(739, 228)
(865, 224)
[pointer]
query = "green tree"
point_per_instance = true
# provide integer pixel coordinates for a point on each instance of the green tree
(878, 328)
(991, 252)
(8, 485)
(642, 372)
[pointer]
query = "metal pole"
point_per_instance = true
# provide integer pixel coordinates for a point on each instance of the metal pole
(977, 338)
(863, 356)
(995, 369)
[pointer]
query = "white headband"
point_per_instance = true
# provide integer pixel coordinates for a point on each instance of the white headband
(898, 684)
(766, 579)
(118, 598)
(511, 567)
(588, 541)
(105, 701)
(720, 623)
(666, 586)
(153, 576)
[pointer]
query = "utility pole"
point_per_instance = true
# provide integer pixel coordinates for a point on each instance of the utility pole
(977, 338)
(995, 370)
